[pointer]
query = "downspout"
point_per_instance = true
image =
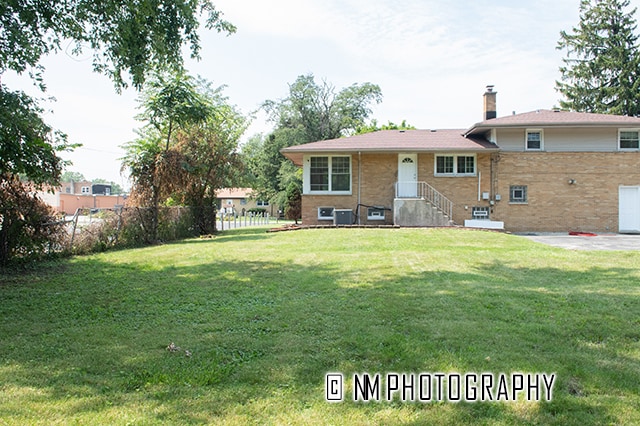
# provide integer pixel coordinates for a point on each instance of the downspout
(479, 184)
(359, 183)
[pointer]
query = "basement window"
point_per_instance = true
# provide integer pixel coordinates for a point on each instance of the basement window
(375, 213)
(518, 194)
(481, 213)
(325, 213)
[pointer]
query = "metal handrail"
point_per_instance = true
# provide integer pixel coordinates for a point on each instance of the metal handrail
(422, 190)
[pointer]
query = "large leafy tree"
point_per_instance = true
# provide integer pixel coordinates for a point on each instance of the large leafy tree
(311, 112)
(601, 72)
(171, 100)
(28, 146)
(128, 39)
(320, 111)
(210, 161)
(374, 127)
(185, 164)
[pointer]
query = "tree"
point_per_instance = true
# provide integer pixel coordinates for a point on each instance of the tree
(27, 224)
(311, 112)
(210, 160)
(156, 170)
(28, 146)
(373, 127)
(171, 99)
(601, 72)
(126, 37)
(69, 176)
(293, 208)
(321, 112)
(189, 164)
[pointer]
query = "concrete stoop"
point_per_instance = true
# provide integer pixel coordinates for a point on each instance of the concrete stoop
(418, 213)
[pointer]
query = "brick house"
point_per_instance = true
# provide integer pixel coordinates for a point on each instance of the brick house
(238, 201)
(73, 195)
(544, 170)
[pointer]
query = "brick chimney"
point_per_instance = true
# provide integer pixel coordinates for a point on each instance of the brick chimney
(489, 104)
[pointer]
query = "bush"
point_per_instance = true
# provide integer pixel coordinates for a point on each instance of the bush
(29, 228)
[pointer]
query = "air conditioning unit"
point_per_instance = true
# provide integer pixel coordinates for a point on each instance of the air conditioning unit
(342, 217)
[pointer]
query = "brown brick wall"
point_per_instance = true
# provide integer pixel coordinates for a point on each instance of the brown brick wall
(589, 205)
(462, 191)
(379, 175)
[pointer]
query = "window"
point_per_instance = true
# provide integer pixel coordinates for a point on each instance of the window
(518, 194)
(629, 139)
(325, 213)
(340, 174)
(444, 165)
(534, 140)
(85, 190)
(455, 165)
(262, 203)
(466, 165)
(319, 173)
(375, 213)
(328, 174)
(480, 213)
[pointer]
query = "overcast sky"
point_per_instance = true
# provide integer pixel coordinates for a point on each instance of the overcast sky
(431, 58)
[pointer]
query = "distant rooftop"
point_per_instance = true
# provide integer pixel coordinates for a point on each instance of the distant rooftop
(234, 193)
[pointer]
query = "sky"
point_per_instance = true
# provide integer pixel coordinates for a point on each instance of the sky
(431, 58)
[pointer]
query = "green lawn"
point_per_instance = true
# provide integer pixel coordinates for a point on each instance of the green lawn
(266, 315)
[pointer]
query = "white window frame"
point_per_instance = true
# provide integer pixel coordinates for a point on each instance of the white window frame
(455, 165)
(525, 198)
(85, 190)
(373, 213)
(325, 217)
(619, 139)
(262, 203)
(526, 139)
(306, 187)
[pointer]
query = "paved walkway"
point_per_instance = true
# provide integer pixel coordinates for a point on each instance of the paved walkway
(599, 242)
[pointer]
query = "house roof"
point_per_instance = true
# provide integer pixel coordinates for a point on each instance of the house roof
(393, 141)
(226, 193)
(553, 118)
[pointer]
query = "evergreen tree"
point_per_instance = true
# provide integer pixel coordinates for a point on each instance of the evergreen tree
(602, 68)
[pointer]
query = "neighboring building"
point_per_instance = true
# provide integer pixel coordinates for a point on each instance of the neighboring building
(77, 195)
(239, 201)
(538, 171)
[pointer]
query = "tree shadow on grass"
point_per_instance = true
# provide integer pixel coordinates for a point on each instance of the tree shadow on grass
(265, 333)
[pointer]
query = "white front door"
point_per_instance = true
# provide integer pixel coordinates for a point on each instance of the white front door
(407, 176)
(629, 209)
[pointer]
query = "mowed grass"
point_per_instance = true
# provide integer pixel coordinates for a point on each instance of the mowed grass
(266, 315)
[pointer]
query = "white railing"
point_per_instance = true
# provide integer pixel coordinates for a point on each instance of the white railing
(424, 191)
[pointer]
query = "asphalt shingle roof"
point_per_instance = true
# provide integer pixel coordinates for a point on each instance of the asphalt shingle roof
(395, 141)
(551, 118)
